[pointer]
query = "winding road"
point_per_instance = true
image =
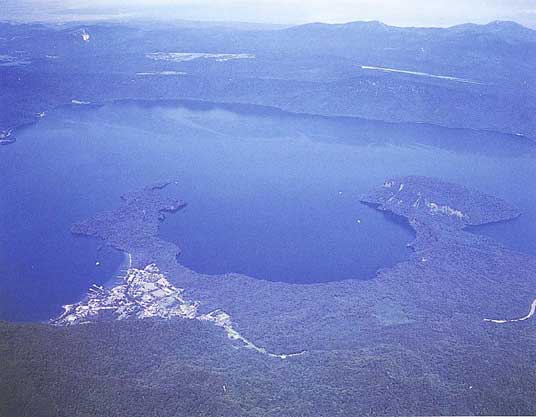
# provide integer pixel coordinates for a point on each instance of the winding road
(528, 316)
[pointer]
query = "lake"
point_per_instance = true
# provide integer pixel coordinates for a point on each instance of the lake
(270, 194)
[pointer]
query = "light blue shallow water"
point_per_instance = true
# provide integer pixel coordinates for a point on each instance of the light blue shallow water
(270, 194)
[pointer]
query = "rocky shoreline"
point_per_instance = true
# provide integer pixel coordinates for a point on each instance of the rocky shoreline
(437, 211)
(420, 329)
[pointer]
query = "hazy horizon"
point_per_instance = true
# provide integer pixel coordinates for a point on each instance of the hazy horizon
(440, 13)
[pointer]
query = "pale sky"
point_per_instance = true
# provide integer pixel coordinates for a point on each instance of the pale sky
(394, 12)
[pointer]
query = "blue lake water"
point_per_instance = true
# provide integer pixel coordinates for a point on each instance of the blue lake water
(271, 194)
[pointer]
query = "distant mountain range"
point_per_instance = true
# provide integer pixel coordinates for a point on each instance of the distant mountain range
(472, 76)
(449, 331)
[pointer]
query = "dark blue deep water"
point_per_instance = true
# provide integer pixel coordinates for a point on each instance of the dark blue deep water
(271, 195)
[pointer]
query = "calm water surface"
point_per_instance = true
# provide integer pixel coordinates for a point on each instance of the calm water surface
(270, 194)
